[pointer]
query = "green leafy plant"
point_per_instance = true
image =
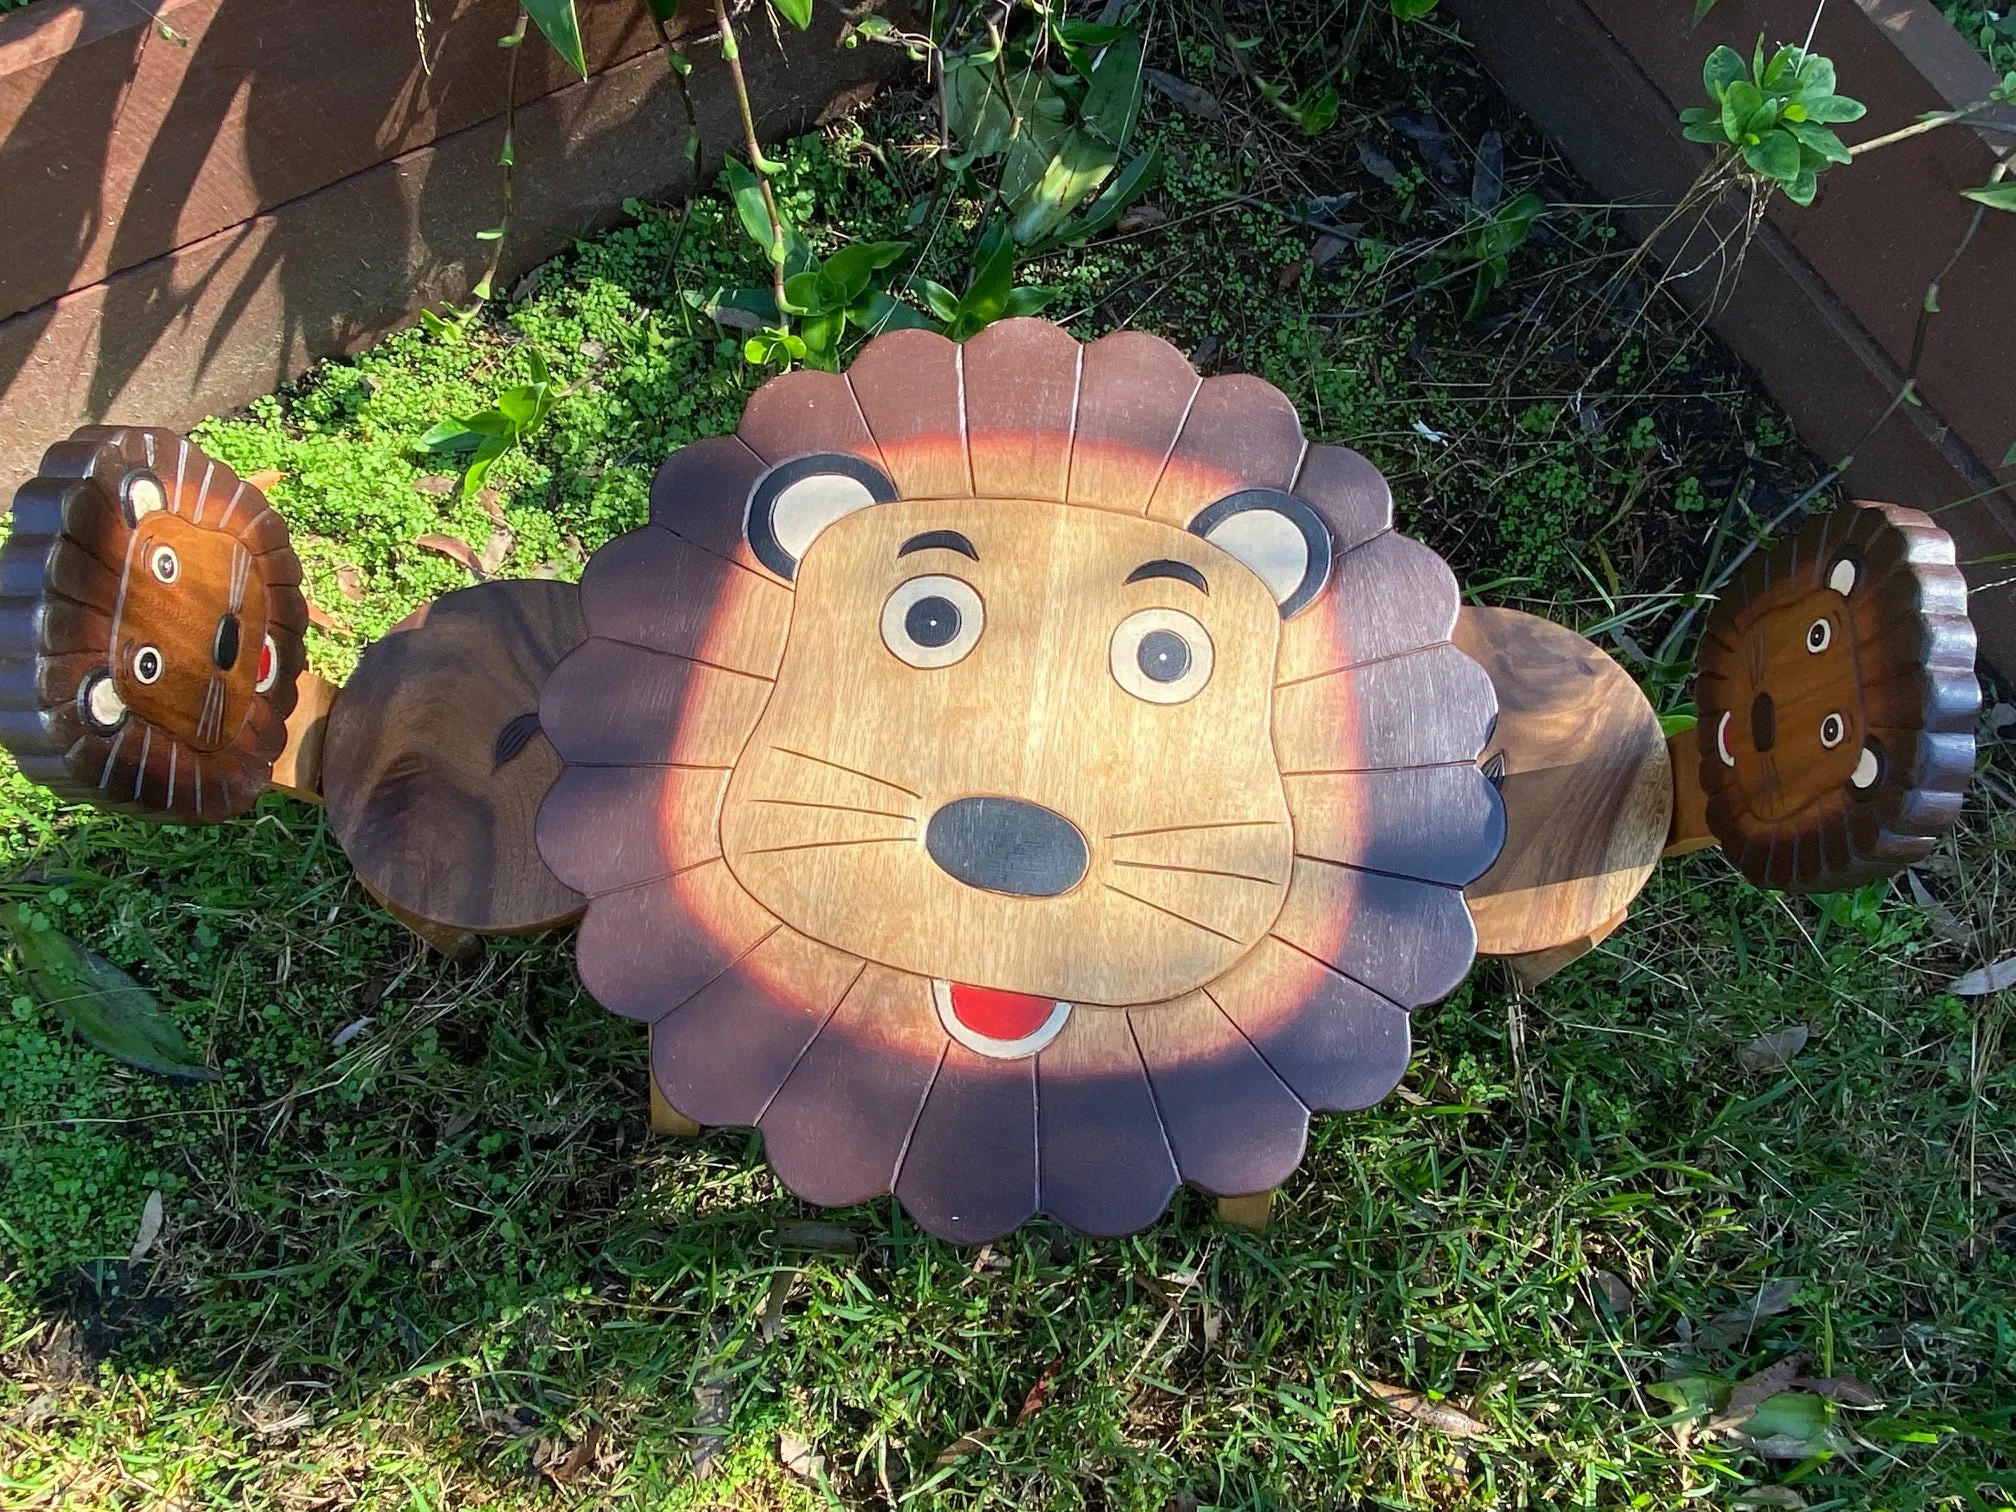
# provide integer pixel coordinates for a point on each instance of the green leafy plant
(109, 1010)
(1490, 240)
(1314, 112)
(991, 295)
(1775, 115)
(1413, 10)
(1063, 137)
(487, 435)
(826, 297)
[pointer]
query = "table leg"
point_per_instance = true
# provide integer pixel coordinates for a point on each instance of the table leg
(666, 1119)
(1250, 1212)
(1533, 968)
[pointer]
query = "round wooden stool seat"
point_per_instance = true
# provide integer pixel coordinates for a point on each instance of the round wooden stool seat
(1588, 787)
(434, 763)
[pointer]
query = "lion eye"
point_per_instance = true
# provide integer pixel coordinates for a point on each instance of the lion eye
(147, 664)
(269, 666)
(164, 564)
(1867, 770)
(932, 621)
(1833, 730)
(1161, 656)
(103, 708)
(1819, 636)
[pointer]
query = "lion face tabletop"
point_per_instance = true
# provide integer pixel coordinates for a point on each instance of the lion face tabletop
(1020, 776)
(151, 634)
(1837, 700)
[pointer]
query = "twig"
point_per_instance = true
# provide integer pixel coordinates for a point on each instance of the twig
(731, 51)
(1931, 122)
(508, 158)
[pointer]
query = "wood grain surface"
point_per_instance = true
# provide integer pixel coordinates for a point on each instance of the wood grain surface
(1587, 785)
(1837, 702)
(150, 628)
(297, 770)
(434, 764)
(1007, 906)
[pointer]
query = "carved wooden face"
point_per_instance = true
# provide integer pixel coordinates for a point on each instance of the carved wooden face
(167, 635)
(1020, 736)
(1836, 698)
(929, 639)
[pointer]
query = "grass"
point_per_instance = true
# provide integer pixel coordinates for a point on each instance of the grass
(441, 1264)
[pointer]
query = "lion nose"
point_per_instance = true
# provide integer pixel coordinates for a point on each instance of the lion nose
(1763, 722)
(224, 650)
(1004, 845)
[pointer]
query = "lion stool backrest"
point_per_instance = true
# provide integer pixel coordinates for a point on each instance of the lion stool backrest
(150, 628)
(1837, 702)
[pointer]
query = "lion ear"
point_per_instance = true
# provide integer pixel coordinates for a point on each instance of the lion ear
(796, 500)
(1283, 541)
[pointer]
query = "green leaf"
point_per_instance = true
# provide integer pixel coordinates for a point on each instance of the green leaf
(881, 311)
(797, 12)
(1701, 9)
(1027, 300)
(521, 405)
(1413, 10)
(1710, 132)
(562, 27)
(486, 456)
(941, 301)
(1802, 187)
(1833, 109)
(851, 267)
(1133, 181)
(1723, 68)
(1821, 140)
(450, 436)
(664, 10)
(1072, 177)
(1740, 101)
(1489, 276)
(2000, 196)
(110, 1011)
(749, 206)
(1113, 99)
(1776, 156)
(1816, 77)
(2009, 457)
(1677, 724)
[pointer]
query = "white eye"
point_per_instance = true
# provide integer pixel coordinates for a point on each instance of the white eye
(144, 495)
(932, 621)
(103, 707)
(1819, 636)
(147, 664)
(1161, 655)
(164, 564)
(1867, 770)
(1833, 730)
(269, 666)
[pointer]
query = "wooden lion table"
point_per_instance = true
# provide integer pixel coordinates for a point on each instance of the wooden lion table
(1024, 777)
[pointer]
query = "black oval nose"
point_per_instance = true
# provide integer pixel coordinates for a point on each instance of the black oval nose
(1004, 845)
(224, 650)
(1763, 722)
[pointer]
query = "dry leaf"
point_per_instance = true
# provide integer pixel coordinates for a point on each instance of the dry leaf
(1328, 246)
(507, 1423)
(1768, 1052)
(322, 619)
(1773, 1298)
(1616, 1293)
(1846, 1390)
(1191, 99)
(1291, 273)
(350, 1031)
(1988, 979)
(965, 1444)
(150, 1227)
(1410, 1097)
(567, 1466)
(350, 584)
(819, 1236)
(1039, 1393)
(1945, 923)
(434, 483)
(1214, 1325)
(1769, 1496)
(1423, 1409)
(713, 1411)
(456, 550)
(798, 1457)
(265, 478)
(1142, 217)
(2001, 717)
(1751, 1394)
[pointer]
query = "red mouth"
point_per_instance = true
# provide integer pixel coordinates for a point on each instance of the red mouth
(1007, 1025)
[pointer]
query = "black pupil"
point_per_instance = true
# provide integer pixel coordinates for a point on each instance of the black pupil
(149, 663)
(1832, 728)
(1164, 656)
(1817, 636)
(932, 621)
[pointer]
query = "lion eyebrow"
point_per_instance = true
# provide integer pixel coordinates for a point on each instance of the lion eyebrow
(951, 540)
(1182, 572)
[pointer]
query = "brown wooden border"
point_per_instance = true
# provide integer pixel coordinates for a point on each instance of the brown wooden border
(189, 220)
